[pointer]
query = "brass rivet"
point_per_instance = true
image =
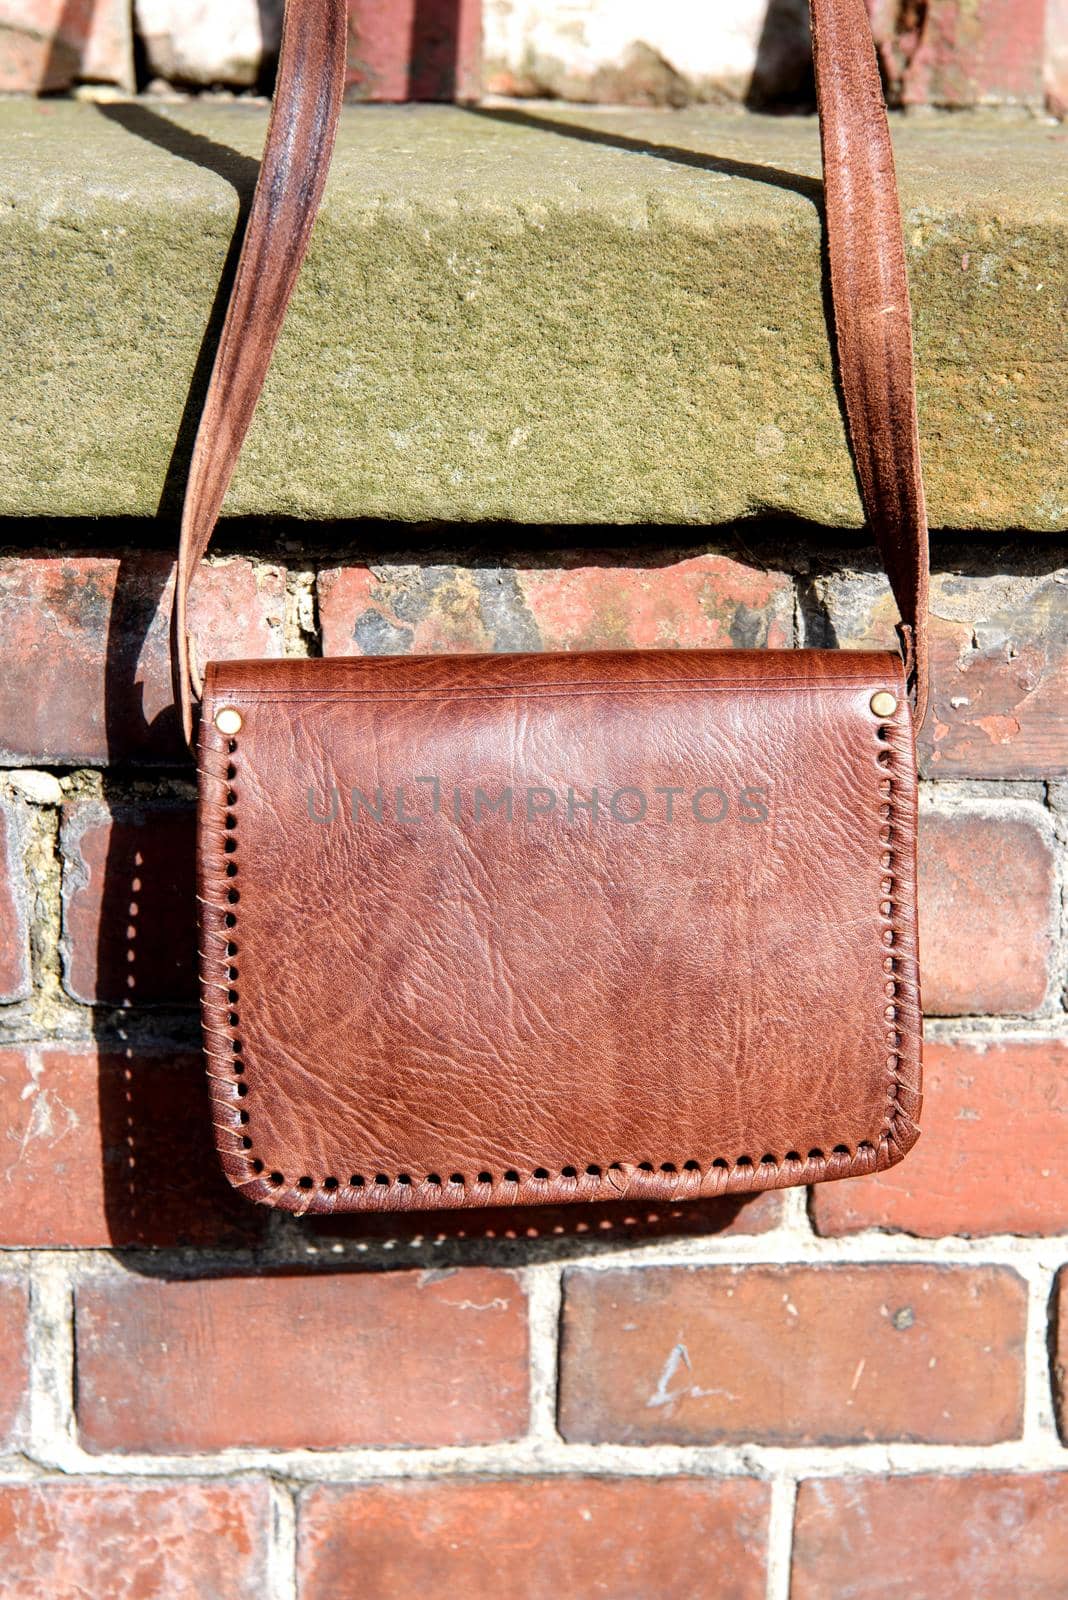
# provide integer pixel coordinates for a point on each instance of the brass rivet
(228, 719)
(884, 704)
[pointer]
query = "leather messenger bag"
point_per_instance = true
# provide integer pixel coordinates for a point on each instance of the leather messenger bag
(526, 929)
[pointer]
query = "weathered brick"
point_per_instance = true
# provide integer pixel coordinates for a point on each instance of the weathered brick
(707, 600)
(683, 1355)
(123, 1541)
(986, 867)
(999, 665)
(398, 49)
(988, 1533)
(671, 1538)
(129, 903)
(196, 42)
(962, 52)
(991, 1159)
(415, 49)
(15, 977)
(14, 1360)
(640, 54)
(47, 45)
(85, 650)
(112, 1149)
(415, 1358)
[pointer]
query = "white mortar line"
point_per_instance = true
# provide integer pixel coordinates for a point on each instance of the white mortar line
(533, 1458)
(51, 1381)
(1040, 1425)
(780, 1545)
(796, 1223)
(543, 1286)
(282, 1544)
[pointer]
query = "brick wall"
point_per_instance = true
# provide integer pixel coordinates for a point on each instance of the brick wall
(934, 52)
(199, 1398)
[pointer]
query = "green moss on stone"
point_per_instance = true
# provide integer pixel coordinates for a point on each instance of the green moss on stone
(559, 317)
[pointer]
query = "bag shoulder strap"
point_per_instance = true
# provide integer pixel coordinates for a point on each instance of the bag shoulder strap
(869, 290)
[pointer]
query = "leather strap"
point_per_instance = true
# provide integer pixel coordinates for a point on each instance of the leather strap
(300, 141)
(869, 288)
(872, 314)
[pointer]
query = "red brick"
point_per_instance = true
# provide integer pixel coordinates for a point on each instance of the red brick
(633, 1539)
(15, 980)
(286, 1362)
(14, 1360)
(962, 52)
(129, 903)
(121, 1541)
(793, 1355)
(981, 1534)
(999, 669)
(991, 1159)
(999, 706)
(52, 44)
(1060, 1353)
(986, 868)
(704, 601)
(112, 1149)
(97, 628)
(415, 50)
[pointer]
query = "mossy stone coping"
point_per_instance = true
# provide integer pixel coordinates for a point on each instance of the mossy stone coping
(543, 315)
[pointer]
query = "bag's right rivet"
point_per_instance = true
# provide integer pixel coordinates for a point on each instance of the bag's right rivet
(228, 720)
(884, 704)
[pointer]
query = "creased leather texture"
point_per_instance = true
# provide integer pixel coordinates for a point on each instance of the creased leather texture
(461, 1011)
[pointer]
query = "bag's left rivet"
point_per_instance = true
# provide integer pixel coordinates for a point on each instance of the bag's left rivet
(884, 704)
(228, 720)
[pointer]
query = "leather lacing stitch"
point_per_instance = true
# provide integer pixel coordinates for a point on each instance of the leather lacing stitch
(647, 1169)
(458, 1181)
(888, 910)
(233, 1083)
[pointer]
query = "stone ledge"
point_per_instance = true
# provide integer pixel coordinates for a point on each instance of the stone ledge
(547, 315)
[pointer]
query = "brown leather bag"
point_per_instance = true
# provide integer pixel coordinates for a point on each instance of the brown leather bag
(525, 929)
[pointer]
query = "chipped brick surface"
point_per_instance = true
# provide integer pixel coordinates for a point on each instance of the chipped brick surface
(973, 1534)
(183, 1541)
(676, 1355)
(999, 659)
(701, 602)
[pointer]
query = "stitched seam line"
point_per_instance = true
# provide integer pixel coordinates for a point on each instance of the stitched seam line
(222, 1017)
(888, 909)
(535, 691)
(237, 1090)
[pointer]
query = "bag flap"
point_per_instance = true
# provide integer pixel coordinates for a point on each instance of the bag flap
(489, 930)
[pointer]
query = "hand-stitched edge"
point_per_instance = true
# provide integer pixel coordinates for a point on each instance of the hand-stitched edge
(220, 956)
